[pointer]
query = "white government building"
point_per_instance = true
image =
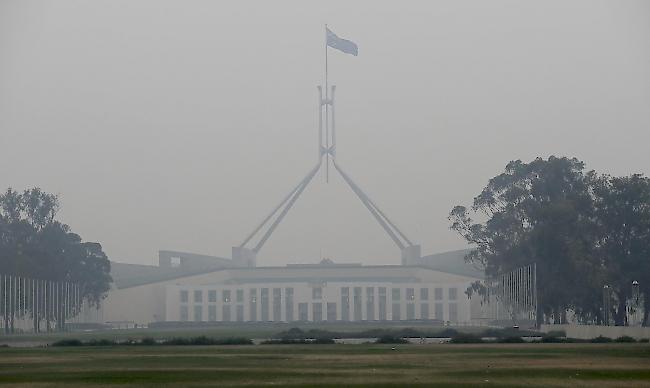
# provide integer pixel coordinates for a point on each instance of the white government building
(196, 288)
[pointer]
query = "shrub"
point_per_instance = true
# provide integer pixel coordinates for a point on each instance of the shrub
(148, 341)
(466, 339)
(234, 341)
(100, 342)
(625, 338)
(176, 341)
(552, 340)
(644, 340)
(68, 342)
(203, 340)
(601, 340)
(323, 341)
(390, 339)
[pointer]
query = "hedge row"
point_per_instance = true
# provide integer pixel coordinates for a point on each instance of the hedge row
(201, 340)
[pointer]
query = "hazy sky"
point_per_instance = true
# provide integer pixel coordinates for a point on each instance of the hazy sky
(180, 124)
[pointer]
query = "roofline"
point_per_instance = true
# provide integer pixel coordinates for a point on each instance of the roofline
(389, 266)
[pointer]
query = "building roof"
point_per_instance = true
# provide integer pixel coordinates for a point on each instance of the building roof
(453, 262)
(127, 275)
(131, 275)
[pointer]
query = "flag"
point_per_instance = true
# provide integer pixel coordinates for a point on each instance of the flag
(347, 46)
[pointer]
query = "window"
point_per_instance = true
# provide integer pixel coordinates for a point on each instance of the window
(317, 312)
(184, 297)
(424, 294)
(212, 313)
(226, 296)
(453, 293)
(277, 304)
(437, 294)
(240, 313)
(225, 316)
(396, 294)
(357, 303)
(240, 296)
(396, 312)
(438, 312)
(370, 303)
(345, 303)
(198, 313)
(265, 304)
(184, 314)
(410, 294)
(424, 311)
(410, 311)
(288, 304)
(382, 304)
(331, 312)
(253, 304)
(453, 312)
(317, 293)
(212, 296)
(303, 314)
(175, 261)
(370, 294)
(198, 296)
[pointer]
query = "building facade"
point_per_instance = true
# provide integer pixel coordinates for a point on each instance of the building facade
(314, 302)
(308, 293)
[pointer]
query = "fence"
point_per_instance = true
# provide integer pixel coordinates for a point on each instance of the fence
(36, 305)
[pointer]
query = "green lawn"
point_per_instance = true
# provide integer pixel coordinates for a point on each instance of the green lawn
(541, 365)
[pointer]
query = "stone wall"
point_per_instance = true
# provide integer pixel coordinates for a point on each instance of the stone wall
(592, 331)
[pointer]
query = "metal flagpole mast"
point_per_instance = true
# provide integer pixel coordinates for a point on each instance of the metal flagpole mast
(327, 114)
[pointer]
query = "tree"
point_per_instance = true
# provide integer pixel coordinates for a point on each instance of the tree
(34, 244)
(539, 212)
(622, 206)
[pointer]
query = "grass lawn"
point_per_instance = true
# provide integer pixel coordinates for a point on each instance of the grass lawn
(540, 365)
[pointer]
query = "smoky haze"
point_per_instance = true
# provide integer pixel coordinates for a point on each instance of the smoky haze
(180, 124)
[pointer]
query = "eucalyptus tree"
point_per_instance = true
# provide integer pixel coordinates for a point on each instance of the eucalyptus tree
(539, 212)
(34, 244)
(622, 207)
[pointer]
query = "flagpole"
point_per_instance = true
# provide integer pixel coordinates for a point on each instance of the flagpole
(327, 114)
